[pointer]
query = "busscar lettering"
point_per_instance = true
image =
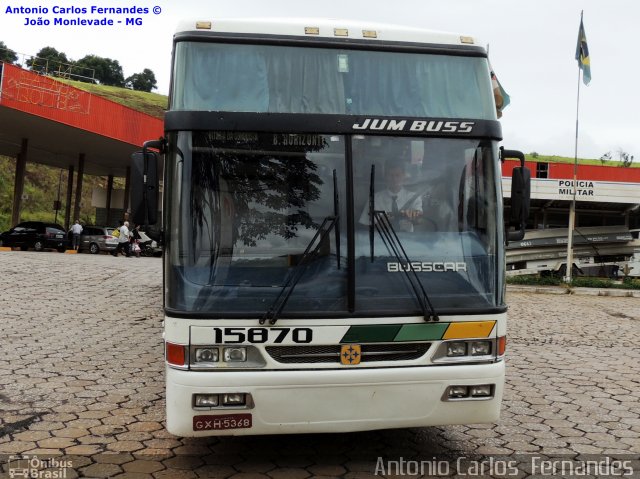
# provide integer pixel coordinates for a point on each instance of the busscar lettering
(429, 126)
(428, 267)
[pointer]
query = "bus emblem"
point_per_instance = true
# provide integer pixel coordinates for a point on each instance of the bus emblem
(350, 354)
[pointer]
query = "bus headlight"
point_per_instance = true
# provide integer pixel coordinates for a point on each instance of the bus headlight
(205, 400)
(233, 399)
(466, 351)
(458, 392)
(480, 348)
(480, 392)
(207, 355)
(236, 354)
(456, 349)
(212, 357)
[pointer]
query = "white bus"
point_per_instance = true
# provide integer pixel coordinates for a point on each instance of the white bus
(333, 228)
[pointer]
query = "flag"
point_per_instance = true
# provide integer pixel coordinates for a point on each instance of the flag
(501, 97)
(582, 55)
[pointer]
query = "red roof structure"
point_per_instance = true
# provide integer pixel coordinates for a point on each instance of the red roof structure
(61, 122)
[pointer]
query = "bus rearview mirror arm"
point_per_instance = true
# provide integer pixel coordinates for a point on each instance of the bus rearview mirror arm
(520, 195)
(144, 183)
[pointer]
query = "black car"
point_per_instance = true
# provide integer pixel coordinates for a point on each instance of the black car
(37, 235)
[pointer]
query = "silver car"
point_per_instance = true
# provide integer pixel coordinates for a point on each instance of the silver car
(95, 239)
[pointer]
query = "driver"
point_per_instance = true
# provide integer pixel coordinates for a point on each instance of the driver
(401, 205)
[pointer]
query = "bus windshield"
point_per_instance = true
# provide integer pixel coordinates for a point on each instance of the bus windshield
(248, 211)
(280, 79)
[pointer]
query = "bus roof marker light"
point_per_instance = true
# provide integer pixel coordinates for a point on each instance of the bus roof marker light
(369, 34)
(311, 31)
(203, 25)
(340, 32)
(467, 40)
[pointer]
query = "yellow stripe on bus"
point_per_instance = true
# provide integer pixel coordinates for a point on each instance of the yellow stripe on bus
(473, 329)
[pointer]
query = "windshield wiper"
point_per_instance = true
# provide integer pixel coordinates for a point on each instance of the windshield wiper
(329, 223)
(278, 305)
(380, 221)
(390, 237)
(336, 214)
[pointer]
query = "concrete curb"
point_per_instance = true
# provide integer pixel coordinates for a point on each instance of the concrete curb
(559, 290)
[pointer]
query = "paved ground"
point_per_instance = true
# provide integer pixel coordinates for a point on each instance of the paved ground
(81, 374)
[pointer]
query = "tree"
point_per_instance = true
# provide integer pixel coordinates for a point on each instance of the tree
(606, 157)
(625, 158)
(266, 196)
(7, 55)
(145, 81)
(49, 60)
(107, 71)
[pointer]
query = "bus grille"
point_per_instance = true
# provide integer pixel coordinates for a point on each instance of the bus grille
(331, 353)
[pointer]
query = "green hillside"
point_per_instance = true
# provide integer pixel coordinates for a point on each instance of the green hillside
(41, 187)
(150, 103)
(581, 161)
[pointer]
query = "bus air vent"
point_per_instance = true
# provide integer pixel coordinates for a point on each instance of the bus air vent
(331, 353)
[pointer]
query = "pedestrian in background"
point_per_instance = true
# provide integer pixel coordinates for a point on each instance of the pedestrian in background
(76, 231)
(134, 246)
(123, 240)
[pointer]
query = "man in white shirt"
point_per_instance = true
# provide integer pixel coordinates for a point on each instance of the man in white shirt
(76, 231)
(402, 206)
(123, 240)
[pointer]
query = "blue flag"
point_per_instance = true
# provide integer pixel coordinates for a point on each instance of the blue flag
(582, 55)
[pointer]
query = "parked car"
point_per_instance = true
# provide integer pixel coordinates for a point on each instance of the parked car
(37, 235)
(95, 239)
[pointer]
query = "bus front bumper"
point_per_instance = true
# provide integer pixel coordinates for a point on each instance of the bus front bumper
(314, 401)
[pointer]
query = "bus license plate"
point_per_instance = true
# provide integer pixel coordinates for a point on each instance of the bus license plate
(226, 421)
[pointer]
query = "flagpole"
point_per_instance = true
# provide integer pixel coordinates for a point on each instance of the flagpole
(572, 209)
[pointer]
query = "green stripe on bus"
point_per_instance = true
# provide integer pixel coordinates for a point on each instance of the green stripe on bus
(395, 332)
(371, 334)
(421, 332)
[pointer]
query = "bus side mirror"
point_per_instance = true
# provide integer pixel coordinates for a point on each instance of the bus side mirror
(520, 195)
(144, 187)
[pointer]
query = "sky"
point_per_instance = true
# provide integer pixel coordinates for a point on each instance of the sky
(532, 49)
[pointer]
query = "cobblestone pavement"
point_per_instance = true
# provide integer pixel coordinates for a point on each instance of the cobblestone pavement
(81, 374)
